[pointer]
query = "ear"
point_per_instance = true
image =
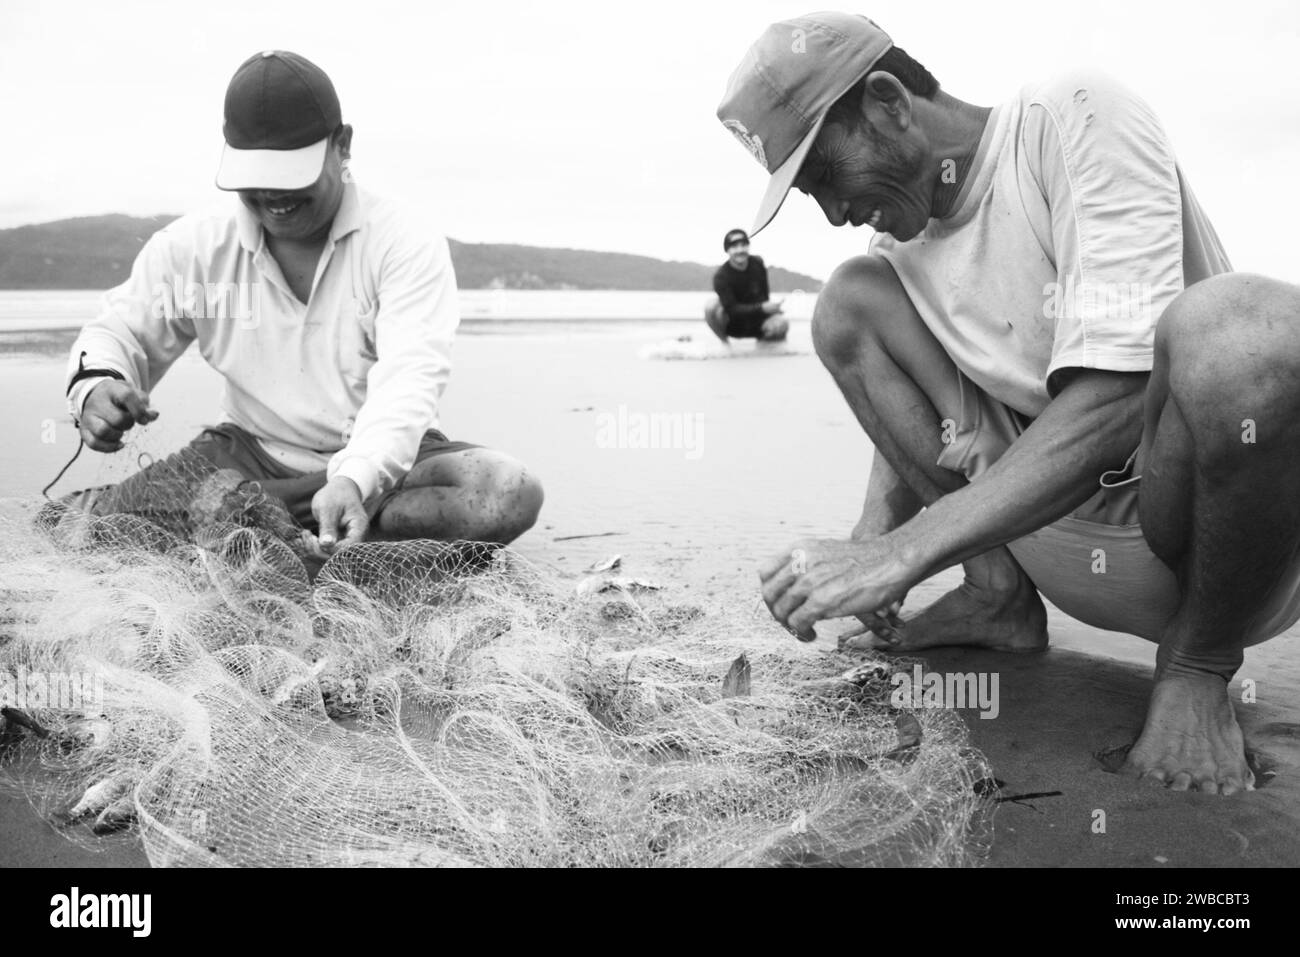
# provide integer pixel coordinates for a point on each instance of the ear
(884, 90)
(343, 141)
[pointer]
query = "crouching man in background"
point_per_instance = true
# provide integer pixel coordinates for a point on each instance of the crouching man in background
(743, 308)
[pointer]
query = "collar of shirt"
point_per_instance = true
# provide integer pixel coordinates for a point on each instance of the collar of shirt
(347, 220)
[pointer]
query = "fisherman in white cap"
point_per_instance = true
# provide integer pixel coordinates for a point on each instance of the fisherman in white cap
(1067, 389)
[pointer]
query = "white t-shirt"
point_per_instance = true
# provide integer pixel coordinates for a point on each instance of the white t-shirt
(1073, 231)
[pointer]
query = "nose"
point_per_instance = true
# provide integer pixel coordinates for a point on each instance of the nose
(835, 210)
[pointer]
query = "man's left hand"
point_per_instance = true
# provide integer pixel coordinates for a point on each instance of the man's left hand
(339, 511)
(821, 578)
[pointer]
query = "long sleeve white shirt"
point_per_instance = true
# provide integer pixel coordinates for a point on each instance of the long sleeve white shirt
(347, 382)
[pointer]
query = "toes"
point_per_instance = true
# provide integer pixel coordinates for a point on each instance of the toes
(867, 641)
(1181, 781)
(1207, 783)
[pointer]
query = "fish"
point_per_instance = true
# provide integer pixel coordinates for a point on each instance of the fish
(736, 683)
(24, 720)
(99, 797)
(88, 732)
(598, 583)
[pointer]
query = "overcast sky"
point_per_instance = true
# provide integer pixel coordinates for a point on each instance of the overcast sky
(591, 124)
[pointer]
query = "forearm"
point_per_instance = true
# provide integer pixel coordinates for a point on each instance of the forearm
(740, 310)
(1092, 425)
(386, 437)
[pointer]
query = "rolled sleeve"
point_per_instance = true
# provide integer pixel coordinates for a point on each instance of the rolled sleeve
(1108, 173)
(415, 325)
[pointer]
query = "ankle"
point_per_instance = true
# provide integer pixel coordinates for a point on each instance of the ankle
(996, 571)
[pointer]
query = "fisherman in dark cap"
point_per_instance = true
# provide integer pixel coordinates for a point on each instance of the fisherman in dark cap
(329, 312)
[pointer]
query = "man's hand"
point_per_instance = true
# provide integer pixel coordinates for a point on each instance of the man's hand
(773, 306)
(338, 507)
(822, 578)
(112, 408)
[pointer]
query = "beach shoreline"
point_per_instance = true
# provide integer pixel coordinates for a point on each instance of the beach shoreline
(777, 457)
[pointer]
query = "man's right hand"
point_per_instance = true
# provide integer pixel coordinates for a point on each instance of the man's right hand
(112, 408)
(772, 307)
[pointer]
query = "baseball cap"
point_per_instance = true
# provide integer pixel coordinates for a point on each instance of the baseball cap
(280, 111)
(733, 237)
(778, 96)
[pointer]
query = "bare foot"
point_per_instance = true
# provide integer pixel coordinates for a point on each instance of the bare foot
(1191, 739)
(1011, 619)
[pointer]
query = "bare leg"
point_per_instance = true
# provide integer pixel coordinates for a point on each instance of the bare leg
(478, 495)
(901, 385)
(715, 317)
(1221, 511)
(775, 329)
(890, 502)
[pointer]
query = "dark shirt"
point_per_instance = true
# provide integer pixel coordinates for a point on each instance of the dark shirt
(742, 294)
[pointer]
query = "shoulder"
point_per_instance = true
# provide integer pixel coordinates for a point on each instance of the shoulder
(196, 235)
(1085, 117)
(720, 274)
(1079, 98)
(757, 261)
(400, 228)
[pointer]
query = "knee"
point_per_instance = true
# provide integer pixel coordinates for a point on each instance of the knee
(776, 328)
(1232, 337)
(851, 307)
(1230, 347)
(513, 498)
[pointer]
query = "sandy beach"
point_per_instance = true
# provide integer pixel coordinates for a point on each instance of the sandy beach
(766, 453)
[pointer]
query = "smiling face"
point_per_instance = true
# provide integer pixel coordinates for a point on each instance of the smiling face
(872, 174)
(738, 255)
(304, 215)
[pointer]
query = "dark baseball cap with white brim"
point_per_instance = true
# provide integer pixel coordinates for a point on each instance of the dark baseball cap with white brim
(281, 110)
(777, 98)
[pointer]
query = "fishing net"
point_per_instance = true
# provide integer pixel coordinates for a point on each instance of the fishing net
(427, 703)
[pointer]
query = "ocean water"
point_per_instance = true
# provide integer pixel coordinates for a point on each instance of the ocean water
(482, 310)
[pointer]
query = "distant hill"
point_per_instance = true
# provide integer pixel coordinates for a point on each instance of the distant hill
(96, 252)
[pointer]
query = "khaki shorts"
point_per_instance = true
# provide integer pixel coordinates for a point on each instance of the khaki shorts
(1094, 564)
(227, 446)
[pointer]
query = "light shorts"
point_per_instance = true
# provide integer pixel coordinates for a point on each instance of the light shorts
(1094, 564)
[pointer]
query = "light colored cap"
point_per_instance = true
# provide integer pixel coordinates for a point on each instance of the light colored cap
(778, 96)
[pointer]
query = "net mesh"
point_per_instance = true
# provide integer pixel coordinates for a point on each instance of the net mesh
(424, 703)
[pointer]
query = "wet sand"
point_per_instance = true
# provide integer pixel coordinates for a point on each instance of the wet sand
(768, 454)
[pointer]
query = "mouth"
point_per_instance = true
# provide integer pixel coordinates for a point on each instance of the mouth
(874, 220)
(283, 209)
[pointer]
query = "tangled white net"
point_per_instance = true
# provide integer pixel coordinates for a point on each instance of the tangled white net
(422, 703)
